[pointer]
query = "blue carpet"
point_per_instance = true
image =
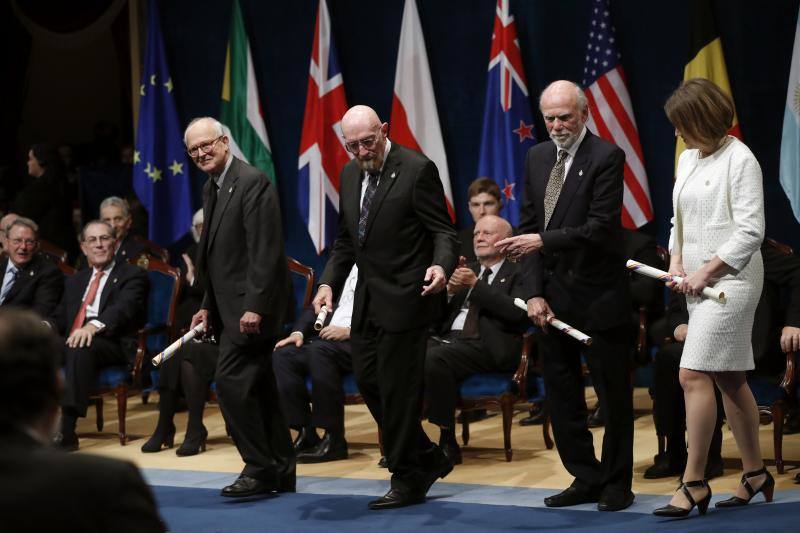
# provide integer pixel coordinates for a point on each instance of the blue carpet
(335, 504)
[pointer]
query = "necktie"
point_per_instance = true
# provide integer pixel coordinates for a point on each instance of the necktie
(470, 329)
(372, 186)
(89, 300)
(10, 283)
(554, 185)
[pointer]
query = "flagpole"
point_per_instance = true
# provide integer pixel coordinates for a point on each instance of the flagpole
(136, 64)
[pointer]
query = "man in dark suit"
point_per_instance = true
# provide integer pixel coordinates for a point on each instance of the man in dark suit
(483, 329)
(116, 212)
(576, 268)
(43, 489)
(100, 313)
(393, 223)
(242, 265)
(29, 280)
(324, 358)
(484, 198)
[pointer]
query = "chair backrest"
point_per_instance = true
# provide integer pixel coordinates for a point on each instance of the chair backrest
(52, 252)
(153, 249)
(165, 286)
(785, 249)
(306, 272)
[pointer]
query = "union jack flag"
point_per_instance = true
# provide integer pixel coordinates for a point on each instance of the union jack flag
(322, 152)
(611, 113)
(507, 123)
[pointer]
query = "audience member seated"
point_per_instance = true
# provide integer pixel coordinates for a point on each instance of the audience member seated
(190, 371)
(42, 489)
(116, 212)
(191, 291)
(44, 198)
(325, 358)
(484, 199)
(102, 309)
(30, 281)
(773, 327)
(482, 331)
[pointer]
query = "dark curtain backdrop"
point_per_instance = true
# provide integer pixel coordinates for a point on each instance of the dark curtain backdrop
(757, 39)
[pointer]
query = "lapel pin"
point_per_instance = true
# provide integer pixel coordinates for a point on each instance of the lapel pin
(30, 273)
(580, 173)
(503, 280)
(124, 252)
(115, 280)
(393, 174)
(230, 190)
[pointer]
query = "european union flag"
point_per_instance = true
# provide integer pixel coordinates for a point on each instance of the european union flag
(160, 164)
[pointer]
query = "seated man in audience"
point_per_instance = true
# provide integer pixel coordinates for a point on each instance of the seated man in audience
(116, 212)
(30, 281)
(482, 332)
(325, 358)
(775, 329)
(42, 489)
(102, 309)
(484, 198)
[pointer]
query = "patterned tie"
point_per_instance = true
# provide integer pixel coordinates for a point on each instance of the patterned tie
(470, 329)
(372, 186)
(554, 185)
(89, 300)
(14, 273)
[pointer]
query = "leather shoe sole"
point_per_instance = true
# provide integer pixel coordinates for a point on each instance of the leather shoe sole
(395, 499)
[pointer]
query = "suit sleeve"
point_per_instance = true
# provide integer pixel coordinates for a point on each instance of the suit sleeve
(784, 270)
(431, 207)
(264, 240)
(529, 223)
(124, 310)
(305, 324)
(502, 305)
(131, 508)
(48, 292)
(605, 209)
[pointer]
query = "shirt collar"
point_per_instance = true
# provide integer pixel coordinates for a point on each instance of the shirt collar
(495, 268)
(573, 149)
(219, 179)
(109, 267)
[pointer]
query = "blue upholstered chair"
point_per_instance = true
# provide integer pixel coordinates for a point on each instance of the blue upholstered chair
(157, 333)
(498, 391)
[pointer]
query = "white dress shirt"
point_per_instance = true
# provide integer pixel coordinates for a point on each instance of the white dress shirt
(93, 310)
(343, 313)
(365, 179)
(571, 151)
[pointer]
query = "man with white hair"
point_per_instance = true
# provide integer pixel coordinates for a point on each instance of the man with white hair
(571, 230)
(116, 212)
(242, 266)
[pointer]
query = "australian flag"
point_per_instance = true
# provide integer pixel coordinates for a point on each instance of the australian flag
(322, 152)
(160, 165)
(507, 122)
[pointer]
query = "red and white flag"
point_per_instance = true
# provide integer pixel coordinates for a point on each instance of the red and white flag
(611, 113)
(415, 120)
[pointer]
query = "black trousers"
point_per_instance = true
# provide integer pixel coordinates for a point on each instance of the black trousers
(669, 409)
(81, 368)
(446, 366)
(608, 362)
(248, 399)
(325, 362)
(390, 369)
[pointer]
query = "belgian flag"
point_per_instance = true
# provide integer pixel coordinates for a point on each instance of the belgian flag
(706, 59)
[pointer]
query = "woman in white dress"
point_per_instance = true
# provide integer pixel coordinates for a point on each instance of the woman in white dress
(717, 229)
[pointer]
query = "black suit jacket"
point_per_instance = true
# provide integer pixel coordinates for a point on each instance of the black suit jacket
(408, 230)
(42, 489)
(38, 287)
(500, 323)
(241, 260)
(580, 270)
(123, 301)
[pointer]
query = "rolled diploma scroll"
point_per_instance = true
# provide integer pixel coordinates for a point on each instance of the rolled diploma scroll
(560, 326)
(170, 350)
(323, 314)
(666, 277)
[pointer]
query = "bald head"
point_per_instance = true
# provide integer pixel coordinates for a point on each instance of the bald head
(365, 137)
(564, 109)
(488, 230)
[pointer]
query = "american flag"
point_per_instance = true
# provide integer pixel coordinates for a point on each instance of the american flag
(611, 113)
(322, 152)
(507, 123)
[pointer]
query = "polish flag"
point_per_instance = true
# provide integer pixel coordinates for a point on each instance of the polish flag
(415, 120)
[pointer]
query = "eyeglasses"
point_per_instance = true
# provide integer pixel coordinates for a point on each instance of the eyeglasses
(205, 147)
(27, 242)
(102, 238)
(368, 143)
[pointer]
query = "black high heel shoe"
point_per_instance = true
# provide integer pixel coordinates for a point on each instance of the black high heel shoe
(768, 488)
(673, 511)
(158, 440)
(193, 445)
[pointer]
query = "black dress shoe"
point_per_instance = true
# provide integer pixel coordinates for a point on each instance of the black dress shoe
(395, 498)
(535, 416)
(615, 500)
(572, 496)
(66, 441)
(665, 466)
(307, 439)
(246, 486)
(436, 464)
(382, 462)
(449, 445)
(330, 448)
(595, 419)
